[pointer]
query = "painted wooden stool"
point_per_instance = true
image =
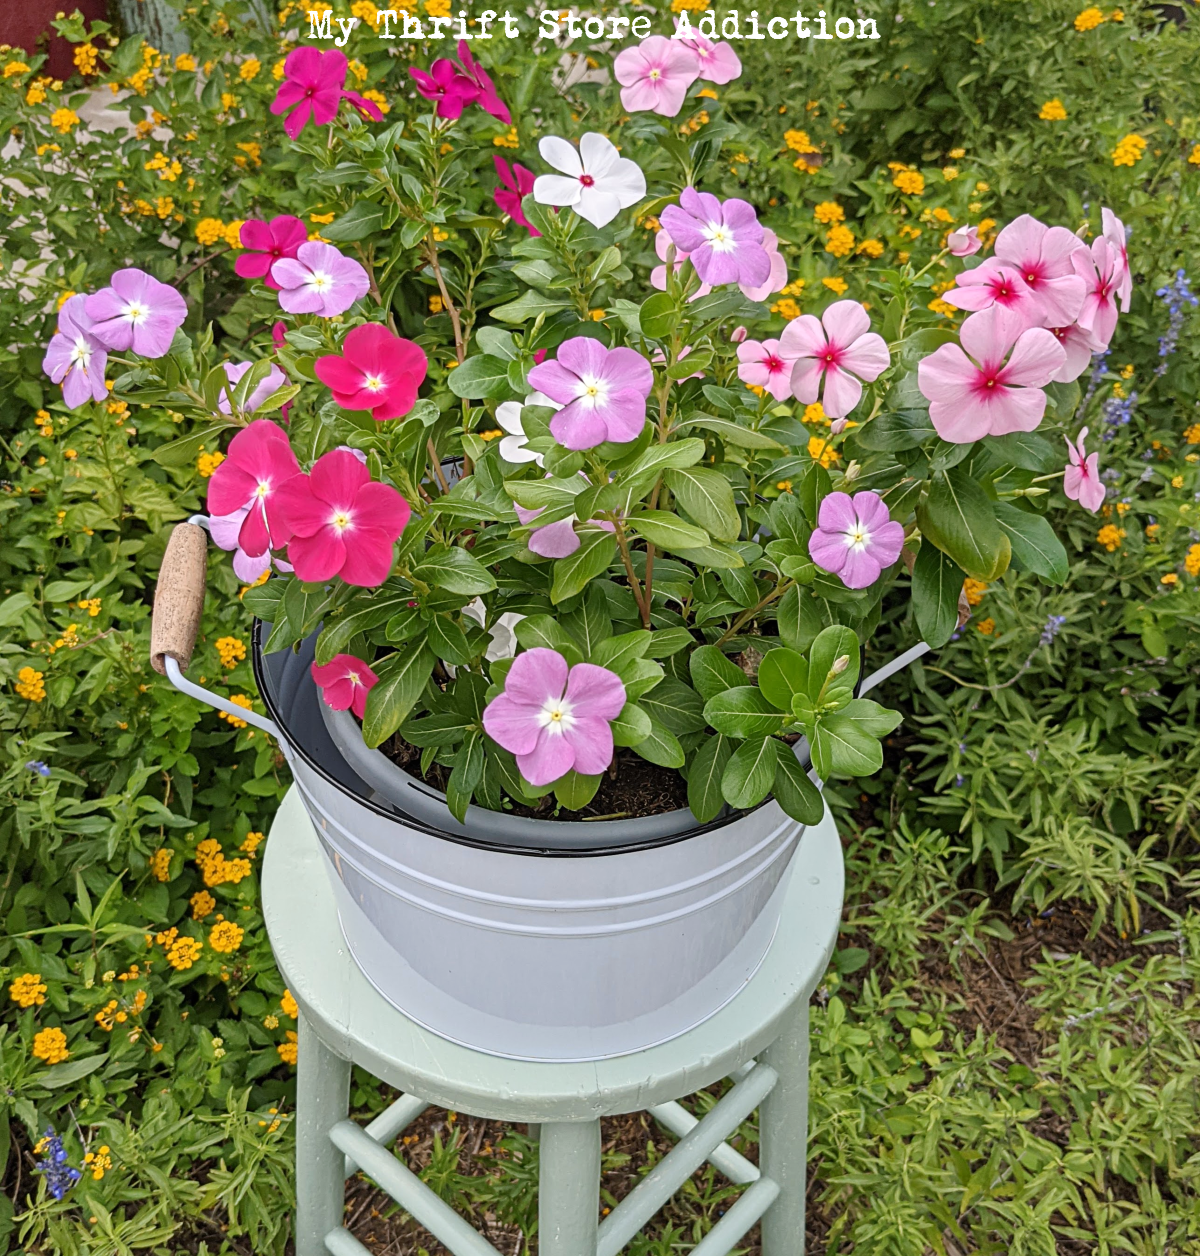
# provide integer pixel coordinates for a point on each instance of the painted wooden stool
(759, 1040)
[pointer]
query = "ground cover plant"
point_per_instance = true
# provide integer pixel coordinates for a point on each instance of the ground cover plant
(1004, 1049)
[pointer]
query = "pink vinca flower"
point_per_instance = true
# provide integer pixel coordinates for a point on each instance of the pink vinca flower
(345, 682)
(258, 463)
(596, 181)
(776, 280)
(1100, 269)
(995, 284)
(1115, 233)
(765, 364)
(656, 75)
(234, 371)
(556, 540)
(446, 84)
(279, 339)
(1041, 255)
(855, 538)
(1078, 345)
(517, 183)
(488, 98)
(992, 384)
(964, 242)
(343, 523)
(136, 312)
(319, 280)
(554, 717)
(833, 355)
(314, 87)
(718, 62)
(378, 371)
(74, 357)
(724, 241)
(265, 243)
(225, 530)
(602, 392)
(1081, 476)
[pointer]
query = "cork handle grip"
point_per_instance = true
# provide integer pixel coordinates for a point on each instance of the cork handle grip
(179, 597)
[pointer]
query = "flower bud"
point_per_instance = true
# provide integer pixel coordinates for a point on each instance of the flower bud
(853, 471)
(838, 426)
(738, 335)
(840, 665)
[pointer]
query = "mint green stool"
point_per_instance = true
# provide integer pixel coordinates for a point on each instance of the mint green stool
(759, 1040)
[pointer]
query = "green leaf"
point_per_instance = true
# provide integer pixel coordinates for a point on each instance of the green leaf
(667, 530)
(658, 316)
(545, 632)
(902, 429)
(847, 742)
(742, 712)
(658, 458)
(707, 496)
(782, 674)
(465, 776)
(575, 791)
(185, 451)
(12, 608)
(448, 641)
(529, 305)
(1034, 546)
(618, 652)
(788, 521)
(794, 792)
(402, 679)
(660, 746)
(937, 581)
(750, 772)
(1026, 450)
(64, 1074)
(730, 432)
(716, 555)
(704, 778)
(364, 218)
(631, 727)
(958, 518)
(832, 644)
(667, 641)
(571, 574)
(479, 377)
(447, 728)
(675, 706)
(589, 623)
(456, 571)
(713, 672)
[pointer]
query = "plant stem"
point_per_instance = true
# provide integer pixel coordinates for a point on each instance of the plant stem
(623, 544)
(778, 591)
(460, 349)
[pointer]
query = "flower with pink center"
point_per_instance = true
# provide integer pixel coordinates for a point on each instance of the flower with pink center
(596, 181)
(1115, 233)
(517, 183)
(258, 463)
(74, 357)
(446, 84)
(766, 364)
(234, 371)
(265, 243)
(602, 392)
(136, 312)
(554, 717)
(345, 682)
(833, 355)
(964, 242)
(1078, 345)
(1100, 269)
(1081, 476)
(319, 280)
(992, 384)
(776, 280)
(656, 75)
(1041, 255)
(488, 98)
(343, 523)
(313, 87)
(995, 284)
(377, 371)
(718, 62)
(723, 241)
(855, 538)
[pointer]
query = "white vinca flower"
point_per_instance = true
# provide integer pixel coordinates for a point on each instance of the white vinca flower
(596, 181)
(514, 446)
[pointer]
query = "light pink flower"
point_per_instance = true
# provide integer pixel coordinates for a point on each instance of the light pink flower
(224, 530)
(234, 371)
(838, 350)
(74, 357)
(777, 279)
(978, 389)
(556, 540)
(1114, 232)
(995, 284)
(554, 717)
(596, 181)
(1041, 255)
(319, 280)
(345, 682)
(656, 75)
(766, 364)
(602, 391)
(964, 241)
(258, 463)
(855, 538)
(1078, 345)
(1100, 269)
(343, 523)
(718, 62)
(136, 312)
(723, 240)
(1081, 476)
(738, 335)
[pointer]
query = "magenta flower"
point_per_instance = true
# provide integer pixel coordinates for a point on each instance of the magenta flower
(234, 371)
(656, 75)
(1100, 269)
(446, 84)
(602, 392)
(995, 284)
(723, 241)
(517, 183)
(718, 62)
(258, 463)
(766, 364)
(964, 241)
(555, 718)
(992, 384)
(488, 98)
(855, 538)
(838, 350)
(319, 280)
(378, 371)
(74, 357)
(265, 243)
(1078, 345)
(345, 682)
(136, 312)
(1041, 255)
(343, 523)
(313, 87)
(1114, 232)
(596, 181)
(1081, 476)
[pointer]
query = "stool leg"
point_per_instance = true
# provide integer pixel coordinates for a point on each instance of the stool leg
(322, 1100)
(568, 1187)
(783, 1136)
